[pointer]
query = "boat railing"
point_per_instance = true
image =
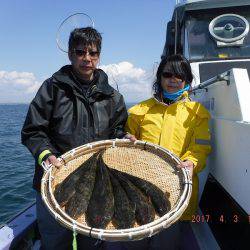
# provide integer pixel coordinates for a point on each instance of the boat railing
(220, 77)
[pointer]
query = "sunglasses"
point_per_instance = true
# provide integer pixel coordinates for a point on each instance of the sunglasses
(83, 52)
(170, 75)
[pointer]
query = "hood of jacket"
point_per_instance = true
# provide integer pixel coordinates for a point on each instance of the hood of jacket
(100, 85)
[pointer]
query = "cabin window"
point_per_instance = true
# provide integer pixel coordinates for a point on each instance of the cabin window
(200, 45)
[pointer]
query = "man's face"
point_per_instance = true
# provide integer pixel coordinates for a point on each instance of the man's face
(84, 60)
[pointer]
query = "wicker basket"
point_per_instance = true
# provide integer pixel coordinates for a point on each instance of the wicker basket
(145, 160)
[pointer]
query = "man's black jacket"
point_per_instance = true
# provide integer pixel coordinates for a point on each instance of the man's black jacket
(62, 117)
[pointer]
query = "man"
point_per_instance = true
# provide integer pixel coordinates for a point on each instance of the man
(73, 107)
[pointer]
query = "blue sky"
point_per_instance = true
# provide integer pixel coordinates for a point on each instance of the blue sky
(133, 38)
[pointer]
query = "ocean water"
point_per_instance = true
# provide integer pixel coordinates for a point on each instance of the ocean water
(16, 163)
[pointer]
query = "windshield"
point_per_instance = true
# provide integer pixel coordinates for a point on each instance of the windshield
(200, 43)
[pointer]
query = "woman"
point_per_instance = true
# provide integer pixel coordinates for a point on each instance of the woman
(172, 120)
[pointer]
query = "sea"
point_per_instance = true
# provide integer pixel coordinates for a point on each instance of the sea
(16, 163)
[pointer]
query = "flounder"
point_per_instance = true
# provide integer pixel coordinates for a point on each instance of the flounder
(101, 205)
(78, 203)
(157, 196)
(144, 210)
(124, 214)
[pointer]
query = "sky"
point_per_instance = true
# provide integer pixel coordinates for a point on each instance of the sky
(133, 32)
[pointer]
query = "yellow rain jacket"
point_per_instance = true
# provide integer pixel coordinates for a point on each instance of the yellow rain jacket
(181, 127)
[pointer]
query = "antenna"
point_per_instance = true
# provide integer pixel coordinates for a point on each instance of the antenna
(176, 31)
(114, 78)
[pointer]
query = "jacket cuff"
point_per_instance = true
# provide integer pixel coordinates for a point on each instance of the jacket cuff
(42, 155)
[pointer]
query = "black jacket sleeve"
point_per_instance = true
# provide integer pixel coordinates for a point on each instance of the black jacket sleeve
(35, 131)
(119, 119)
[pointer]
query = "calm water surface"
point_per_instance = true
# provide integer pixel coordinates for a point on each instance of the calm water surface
(16, 164)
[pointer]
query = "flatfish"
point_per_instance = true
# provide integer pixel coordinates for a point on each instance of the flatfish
(124, 214)
(65, 190)
(101, 205)
(144, 210)
(158, 197)
(78, 203)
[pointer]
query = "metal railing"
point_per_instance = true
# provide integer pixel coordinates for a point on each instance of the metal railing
(221, 77)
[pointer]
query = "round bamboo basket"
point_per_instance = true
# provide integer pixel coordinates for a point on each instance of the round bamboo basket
(142, 159)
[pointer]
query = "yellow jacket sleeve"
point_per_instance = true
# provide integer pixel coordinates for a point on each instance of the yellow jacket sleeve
(199, 146)
(133, 125)
(136, 116)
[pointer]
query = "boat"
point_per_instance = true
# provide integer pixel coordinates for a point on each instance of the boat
(214, 35)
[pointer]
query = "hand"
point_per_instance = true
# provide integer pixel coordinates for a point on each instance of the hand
(54, 161)
(132, 138)
(189, 165)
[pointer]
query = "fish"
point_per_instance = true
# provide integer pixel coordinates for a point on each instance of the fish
(144, 210)
(124, 213)
(78, 203)
(66, 190)
(159, 199)
(101, 205)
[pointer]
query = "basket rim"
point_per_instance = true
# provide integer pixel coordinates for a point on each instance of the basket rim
(128, 234)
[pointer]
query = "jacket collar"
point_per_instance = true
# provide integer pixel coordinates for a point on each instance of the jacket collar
(183, 98)
(99, 87)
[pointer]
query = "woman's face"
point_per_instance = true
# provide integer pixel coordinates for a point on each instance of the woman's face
(170, 82)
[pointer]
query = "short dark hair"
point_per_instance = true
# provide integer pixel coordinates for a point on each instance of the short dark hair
(86, 36)
(176, 64)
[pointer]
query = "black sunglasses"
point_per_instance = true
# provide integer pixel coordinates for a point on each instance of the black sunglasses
(83, 52)
(170, 75)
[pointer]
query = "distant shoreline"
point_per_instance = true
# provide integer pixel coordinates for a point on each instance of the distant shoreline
(10, 103)
(14, 103)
